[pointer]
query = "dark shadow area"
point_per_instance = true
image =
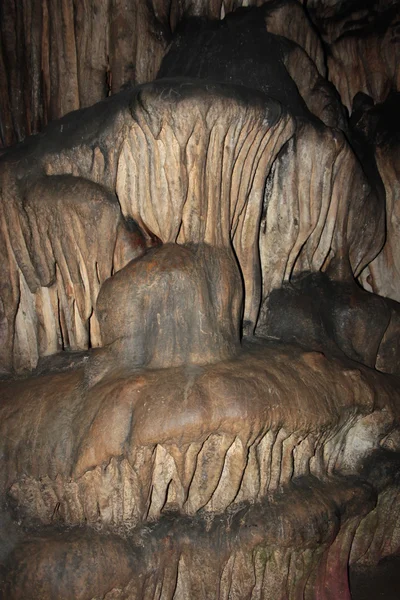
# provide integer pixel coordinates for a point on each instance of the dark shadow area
(378, 583)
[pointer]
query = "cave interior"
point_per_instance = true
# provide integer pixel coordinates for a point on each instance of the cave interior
(199, 299)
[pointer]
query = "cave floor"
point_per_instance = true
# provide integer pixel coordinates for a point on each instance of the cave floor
(380, 583)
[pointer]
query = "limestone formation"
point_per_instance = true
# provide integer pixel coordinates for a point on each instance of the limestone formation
(199, 300)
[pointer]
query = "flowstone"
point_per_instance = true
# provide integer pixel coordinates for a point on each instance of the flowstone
(198, 399)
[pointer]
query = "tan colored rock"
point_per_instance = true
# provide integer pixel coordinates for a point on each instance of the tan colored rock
(290, 20)
(160, 164)
(161, 454)
(176, 305)
(314, 210)
(383, 274)
(56, 57)
(364, 55)
(138, 444)
(291, 545)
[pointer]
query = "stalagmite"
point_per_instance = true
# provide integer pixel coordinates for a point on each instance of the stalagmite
(199, 302)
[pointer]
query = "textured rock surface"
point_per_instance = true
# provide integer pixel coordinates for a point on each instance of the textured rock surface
(156, 161)
(61, 56)
(187, 439)
(363, 47)
(379, 126)
(200, 390)
(171, 175)
(283, 546)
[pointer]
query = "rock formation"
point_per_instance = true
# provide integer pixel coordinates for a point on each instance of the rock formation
(199, 300)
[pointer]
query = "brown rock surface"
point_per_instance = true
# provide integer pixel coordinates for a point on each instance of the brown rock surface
(166, 190)
(198, 399)
(136, 444)
(281, 546)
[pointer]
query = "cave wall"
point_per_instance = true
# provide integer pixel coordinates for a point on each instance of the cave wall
(199, 299)
(59, 57)
(56, 57)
